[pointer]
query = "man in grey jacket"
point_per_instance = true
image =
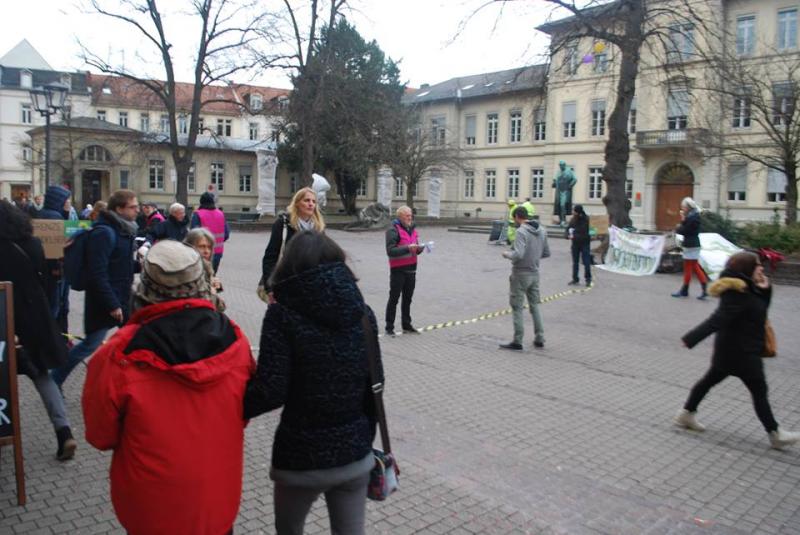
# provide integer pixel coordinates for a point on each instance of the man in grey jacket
(529, 247)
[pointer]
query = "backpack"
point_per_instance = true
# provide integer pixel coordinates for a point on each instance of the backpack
(76, 259)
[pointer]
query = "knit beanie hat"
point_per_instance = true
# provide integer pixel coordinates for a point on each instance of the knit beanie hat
(172, 270)
(207, 200)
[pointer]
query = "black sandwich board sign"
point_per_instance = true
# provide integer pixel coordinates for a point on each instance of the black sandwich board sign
(9, 397)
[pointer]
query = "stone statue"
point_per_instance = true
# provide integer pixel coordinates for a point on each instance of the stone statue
(373, 215)
(563, 183)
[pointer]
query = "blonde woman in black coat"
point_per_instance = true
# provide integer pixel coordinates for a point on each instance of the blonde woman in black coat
(744, 292)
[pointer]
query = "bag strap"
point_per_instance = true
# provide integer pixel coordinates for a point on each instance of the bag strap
(377, 385)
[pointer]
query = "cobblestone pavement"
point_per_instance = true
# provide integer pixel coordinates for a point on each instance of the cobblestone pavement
(572, 439)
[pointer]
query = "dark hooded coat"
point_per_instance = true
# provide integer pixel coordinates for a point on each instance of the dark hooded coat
(313, 363)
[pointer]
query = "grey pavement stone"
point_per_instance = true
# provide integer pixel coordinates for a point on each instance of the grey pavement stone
(572, 439)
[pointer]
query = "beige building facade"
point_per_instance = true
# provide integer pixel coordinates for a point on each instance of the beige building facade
(517, 125)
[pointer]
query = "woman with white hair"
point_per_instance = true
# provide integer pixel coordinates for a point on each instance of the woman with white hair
(174, 227)
(689, 228)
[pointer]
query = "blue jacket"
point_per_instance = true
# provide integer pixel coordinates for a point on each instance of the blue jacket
(111, 267)
(54, 199)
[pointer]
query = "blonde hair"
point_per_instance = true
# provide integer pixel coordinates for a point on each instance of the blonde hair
(316, 217)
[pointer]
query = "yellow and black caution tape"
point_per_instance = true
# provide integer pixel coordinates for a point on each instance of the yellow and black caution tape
(504, 312)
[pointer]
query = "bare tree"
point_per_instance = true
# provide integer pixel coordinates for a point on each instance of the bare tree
(629, 28)
(413, 151)
(227, 34)
(306, 61)
(753, 113)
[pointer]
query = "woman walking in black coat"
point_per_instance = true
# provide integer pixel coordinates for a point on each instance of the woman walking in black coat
(43, 347)
(745, 294)
(313, 363)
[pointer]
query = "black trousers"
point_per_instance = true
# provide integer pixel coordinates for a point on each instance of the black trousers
(584, 254)
(756, 383)
(401, 282)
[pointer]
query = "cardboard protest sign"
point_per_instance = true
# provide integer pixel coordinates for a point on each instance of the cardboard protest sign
(51, 234)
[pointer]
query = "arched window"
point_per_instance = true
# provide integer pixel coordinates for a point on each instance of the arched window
(95, 153)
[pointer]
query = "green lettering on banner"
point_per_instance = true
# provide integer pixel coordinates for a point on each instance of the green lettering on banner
(71, 227)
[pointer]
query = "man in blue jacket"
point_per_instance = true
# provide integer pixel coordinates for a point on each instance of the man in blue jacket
(109, 248)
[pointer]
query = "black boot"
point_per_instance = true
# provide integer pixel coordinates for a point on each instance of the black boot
(683, 292)
(66, 444)
(703, 295)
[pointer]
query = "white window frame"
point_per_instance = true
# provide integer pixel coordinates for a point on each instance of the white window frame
(224, 127)
(742, 111)
(595, 183)
(492, 125)
(156, 175)
(144, 122)
(218, 175)
(183, 124)
(438, 131)
(632, 117)
(600, 63)
(490, 191)
(786, 31)
(361, 189)
(245, 178)
(191, 178)
(27, 154)
(782, 102)
(680, 43)
(512, 183)
(123, 120)
(745, 35)
(101, 115)
(571, 59)
(26, 113)
(26, 79)
(569, 128)
(126, 183)
(537, 183)
(163, 123)
(253, 131)
(469, 184)
(256, 103)
(399, 189)
(540, 124)
(676, 98)
(515, 126)
(598, 117)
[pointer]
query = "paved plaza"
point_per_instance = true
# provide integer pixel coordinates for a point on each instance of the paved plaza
(575, 438)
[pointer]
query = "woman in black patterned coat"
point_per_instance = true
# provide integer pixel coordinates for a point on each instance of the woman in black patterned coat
(313, 363)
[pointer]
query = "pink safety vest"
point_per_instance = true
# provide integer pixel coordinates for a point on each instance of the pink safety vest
(214, 220)
(405, 239)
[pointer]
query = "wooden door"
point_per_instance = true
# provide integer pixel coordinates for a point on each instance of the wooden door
(668, 204)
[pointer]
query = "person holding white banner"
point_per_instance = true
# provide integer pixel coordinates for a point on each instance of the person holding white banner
(740, 324)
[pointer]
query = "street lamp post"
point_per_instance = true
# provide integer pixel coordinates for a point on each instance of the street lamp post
(47, 100)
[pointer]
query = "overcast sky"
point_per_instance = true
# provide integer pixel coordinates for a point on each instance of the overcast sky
(422, 34)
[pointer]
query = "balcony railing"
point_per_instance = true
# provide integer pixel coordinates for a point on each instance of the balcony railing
(654, 139)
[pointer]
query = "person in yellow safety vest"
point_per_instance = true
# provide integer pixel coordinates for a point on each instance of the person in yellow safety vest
(529, 207)
(511, 227)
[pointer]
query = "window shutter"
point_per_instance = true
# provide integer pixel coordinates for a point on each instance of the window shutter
(470, 126)
(776, 181)
(539, 115)
(678, 103)
(598, 105)
(569, 112)
(737, 177)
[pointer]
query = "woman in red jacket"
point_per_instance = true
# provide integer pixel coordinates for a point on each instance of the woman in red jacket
(165, 394)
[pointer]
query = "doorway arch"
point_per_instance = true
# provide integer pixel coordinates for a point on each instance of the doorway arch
(674, 181)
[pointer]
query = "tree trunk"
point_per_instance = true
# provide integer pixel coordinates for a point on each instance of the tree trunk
(617, 150)
(410, 193)
(182, 165)
(791, 194)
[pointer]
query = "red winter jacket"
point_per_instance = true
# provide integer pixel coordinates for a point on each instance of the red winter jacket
(165, 393)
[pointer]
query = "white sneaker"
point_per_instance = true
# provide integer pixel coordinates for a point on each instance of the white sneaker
(779, 438)
(687, 419)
